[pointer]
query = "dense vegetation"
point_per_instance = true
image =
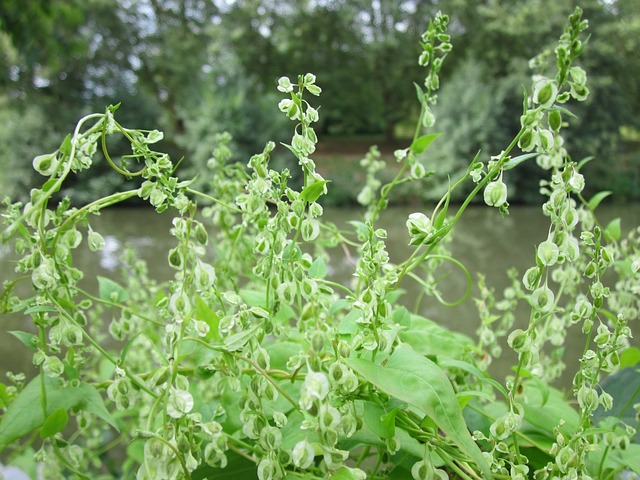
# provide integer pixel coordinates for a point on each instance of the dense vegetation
(197, 68)
(252, 361)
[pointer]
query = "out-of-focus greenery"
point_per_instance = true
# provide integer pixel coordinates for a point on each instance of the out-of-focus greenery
(200, 67)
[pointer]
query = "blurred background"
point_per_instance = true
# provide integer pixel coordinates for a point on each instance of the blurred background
(196, 68)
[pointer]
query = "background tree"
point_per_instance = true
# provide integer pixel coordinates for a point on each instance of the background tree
(198, 67)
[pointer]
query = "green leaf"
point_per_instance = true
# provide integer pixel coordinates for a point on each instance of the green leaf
(46, 186)
(54, 423)
(206, 314)
(28, 339)
(419, 92)
(613, 231)
(348, 325)
(624, 387)
(65, 148)
(293, 432)
(312, 192)
(87, 398)
(627, 459)
(39, 309)
(429, 338)
(448, 363)
(420, 144)
(630, 357)
(110, 291)
(318, 268)
(25, 411)
(545, 408)
(594, 201)
(441, 216)
(514, 162)
(240, 339)
(281, 352)
(585, 160)
(343, 473)
(413, 378)
(4, 397)
(254, 298)
(380, 421)
(237, 467)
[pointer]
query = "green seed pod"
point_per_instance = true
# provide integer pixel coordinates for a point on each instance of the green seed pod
(545, 92)
(46, 164)
(519, 340)
(527, 140)
(555, 120)
(201, 234)
(548, 253)
(495, 194)
(302, 454)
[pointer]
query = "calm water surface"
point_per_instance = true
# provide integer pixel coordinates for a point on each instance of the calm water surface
(484, 242)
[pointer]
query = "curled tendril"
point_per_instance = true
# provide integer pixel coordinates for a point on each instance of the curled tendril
(436, 294)
(121, 171)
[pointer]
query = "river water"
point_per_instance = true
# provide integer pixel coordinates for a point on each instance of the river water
(484, 241)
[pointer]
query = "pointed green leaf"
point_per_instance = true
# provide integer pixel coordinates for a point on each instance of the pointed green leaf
(630, 357)
(585, 160)
(28, 339)
(318, 268)
(545, 408)
(613, 231)
(240, 339)
(25, 412)
(206, 314)
(624, 387)
(65, 148)
(380, 421)
(420, 144)
(110, 291)
(237, 467)
(415, 379)
(312, 192)
(419, 92)
(4, 397)
(596, 199)
(91, 401)
(438, 222)
(514, 162)
(23, 416)
(54, 423)
(449, 363)
(430, 338)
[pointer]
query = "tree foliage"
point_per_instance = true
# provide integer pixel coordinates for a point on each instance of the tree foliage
(192, 66)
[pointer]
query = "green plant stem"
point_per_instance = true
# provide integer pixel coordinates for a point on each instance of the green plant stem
(105, 152)
(521, 435)
(66, 463)
(213, 199)
(175, 451)
(104, 202)
(364, 454)
(41, 203)
(97, 346)
(269, 379)
(461, 267)
(124, 308)
(410, 264)
(43, 388)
